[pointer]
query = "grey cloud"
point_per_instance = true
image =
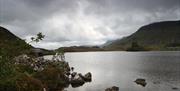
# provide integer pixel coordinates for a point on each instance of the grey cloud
(126, 5)
(33, 10)
(25, 17)
(38, 2)
(83, 22)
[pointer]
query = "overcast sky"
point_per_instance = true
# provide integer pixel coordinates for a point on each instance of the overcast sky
(82, 22)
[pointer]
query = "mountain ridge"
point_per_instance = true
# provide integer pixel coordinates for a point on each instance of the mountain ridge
(156, 34)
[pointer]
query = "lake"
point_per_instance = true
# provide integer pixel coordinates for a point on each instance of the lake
(160, 69)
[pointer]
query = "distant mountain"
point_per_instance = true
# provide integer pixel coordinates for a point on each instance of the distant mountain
(107, 43)
(12, 44)
(156, 35)
(79, 49)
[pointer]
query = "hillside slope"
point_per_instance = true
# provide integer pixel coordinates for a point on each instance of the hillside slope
(12, 44)
(158, 34)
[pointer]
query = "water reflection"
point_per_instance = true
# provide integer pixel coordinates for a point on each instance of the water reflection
(160, 69)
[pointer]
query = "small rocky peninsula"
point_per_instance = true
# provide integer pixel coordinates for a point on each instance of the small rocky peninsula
(47, 75)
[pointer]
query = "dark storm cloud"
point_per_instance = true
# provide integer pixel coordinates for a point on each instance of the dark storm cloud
(33, 9)
(38, 2)
(25, 17)
(83, 22)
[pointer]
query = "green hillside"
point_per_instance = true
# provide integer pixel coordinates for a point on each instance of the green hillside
(11, 44)
(156, 36)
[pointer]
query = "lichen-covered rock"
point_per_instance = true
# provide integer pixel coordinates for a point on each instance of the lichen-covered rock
(39, 63)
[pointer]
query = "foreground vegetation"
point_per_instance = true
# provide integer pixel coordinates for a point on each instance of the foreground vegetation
(21, 68)
(20, 76)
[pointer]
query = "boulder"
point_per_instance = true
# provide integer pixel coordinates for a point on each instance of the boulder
(73, 74)
(113, 88)
(174, 88)
(72, 68)
(108, 89)
(141, 82)
(22, 59)
(87, 77)
(77, 81)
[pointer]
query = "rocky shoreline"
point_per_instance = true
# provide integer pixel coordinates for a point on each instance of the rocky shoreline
(54, 75)
(56, 70)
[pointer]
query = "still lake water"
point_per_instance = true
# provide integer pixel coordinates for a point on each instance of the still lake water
(160, 69)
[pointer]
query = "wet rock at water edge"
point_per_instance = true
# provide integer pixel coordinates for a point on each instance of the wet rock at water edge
(73, 74)
(88, 77)
(77, 81)
(114, 88)
(72, 68)
(175, 88)
(141, 82)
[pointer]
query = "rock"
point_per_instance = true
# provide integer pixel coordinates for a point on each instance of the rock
(21, 59)
(77, 81)
(174, 88)
(108, 89)
(88, 77)
(141, 82)
(114, 88)
(72, 68)
(80, 75)
(73, 74)
(67, 73)
(39, 63)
